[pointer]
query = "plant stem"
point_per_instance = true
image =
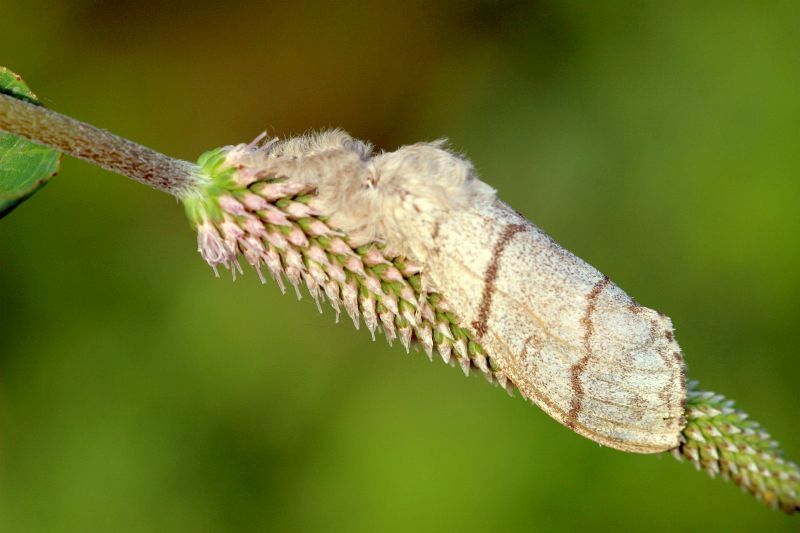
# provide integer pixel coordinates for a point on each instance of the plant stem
(97, 146)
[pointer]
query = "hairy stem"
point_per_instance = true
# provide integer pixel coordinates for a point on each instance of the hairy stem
(97, 146)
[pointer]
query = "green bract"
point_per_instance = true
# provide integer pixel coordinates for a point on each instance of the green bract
(218, 179)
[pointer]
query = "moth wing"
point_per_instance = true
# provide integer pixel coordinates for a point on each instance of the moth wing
(566, 336)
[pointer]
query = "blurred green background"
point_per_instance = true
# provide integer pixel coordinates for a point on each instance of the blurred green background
(657, 140)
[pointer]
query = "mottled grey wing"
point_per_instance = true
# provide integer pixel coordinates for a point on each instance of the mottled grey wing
(566, 336)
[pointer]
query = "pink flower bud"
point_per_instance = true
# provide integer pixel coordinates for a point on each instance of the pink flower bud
(339, 247)
(297, 237)
(297, 210)
(336, 272)
(253, 202)
(276, 239)
(254, 226)
(273, 215)
(392, 274)
(318, 254)
(372, 284)
(317, 228)
(229, 204)
(374, 257)
(353, 264)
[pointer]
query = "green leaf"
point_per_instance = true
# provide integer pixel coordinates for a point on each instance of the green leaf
(25, 167)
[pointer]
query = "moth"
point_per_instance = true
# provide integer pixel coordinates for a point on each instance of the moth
(567, 337)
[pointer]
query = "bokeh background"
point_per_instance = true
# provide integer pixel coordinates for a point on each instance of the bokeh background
(657, 140)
